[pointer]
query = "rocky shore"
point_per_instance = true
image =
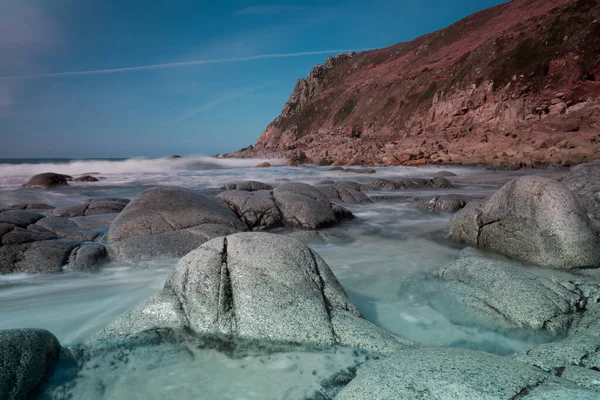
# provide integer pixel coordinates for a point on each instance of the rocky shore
(245, 286)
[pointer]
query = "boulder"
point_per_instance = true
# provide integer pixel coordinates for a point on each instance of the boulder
(304, 206)
(48, 180)
(88, 257)
(174, 157)
(169, 222)
(263, 165)
(255, 287)
(584, 181)
(86, 178)
(31, 206)
(250, 186)
(445, 203)
(67, 229)
(91, 207)
(95, 222)
(534, 219)
(339, 193)
(43, 256)
(455, 374)
(257, 209)
(20, 218)
(26, 356)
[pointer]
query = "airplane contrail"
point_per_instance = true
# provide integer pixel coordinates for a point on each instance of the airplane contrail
(175, 64)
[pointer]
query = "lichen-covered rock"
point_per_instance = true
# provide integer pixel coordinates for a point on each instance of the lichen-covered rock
(250, 186)
(256, 286)
(257, 209)
(440, 374)
(169, 222)
(534, 219)
(26, 356)
(48, 180)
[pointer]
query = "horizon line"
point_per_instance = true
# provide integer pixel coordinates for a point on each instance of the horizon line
(177, 64)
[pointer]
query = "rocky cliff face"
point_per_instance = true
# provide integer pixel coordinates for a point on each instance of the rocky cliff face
(514, 85)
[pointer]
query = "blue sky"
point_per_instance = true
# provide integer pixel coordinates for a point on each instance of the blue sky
(198, 108)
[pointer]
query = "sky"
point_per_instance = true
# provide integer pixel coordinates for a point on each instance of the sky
(133, 78)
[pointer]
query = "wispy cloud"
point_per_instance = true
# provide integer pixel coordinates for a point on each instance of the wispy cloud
(222, 99)
(177, 64)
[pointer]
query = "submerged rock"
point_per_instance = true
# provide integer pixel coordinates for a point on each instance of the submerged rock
(48, 180)
(444, 174)
(533, 219)
(26, 356)
(455, 374)
(257, 287)
(169, 222)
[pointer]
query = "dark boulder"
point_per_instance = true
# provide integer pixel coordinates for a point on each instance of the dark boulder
(26, 357)
(86, 178)
(445, 203)
(48, 180)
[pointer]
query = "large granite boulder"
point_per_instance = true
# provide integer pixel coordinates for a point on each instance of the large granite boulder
(48, 180)
(501, 294)
(440, 374)
(26, 356)
(304, 206)
(584, 180)
(41, 256)
(534, 219)
(256, 287)
(256, 208)
(169, 222)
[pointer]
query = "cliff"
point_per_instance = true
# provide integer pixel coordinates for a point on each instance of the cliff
(515, 85)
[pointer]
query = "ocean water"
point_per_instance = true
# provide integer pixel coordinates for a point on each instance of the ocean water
(376, 257)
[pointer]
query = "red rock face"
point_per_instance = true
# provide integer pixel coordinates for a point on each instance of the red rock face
(515, 85)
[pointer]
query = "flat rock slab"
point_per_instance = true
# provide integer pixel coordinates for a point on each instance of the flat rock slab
(26, 356)
(67, 229)
(91, 207)
(94, 222)
(454, 374)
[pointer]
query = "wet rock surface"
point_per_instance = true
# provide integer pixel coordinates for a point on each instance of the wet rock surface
(584, 180)
(455, 374)
(257, 209)
(444, 203)
(48, 180)
(26, 356)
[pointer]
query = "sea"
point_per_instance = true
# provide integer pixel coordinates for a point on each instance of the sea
(381, 259)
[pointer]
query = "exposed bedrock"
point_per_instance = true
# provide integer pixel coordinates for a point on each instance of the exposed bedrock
(584, 180)
(534, 219)
(257, 287)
